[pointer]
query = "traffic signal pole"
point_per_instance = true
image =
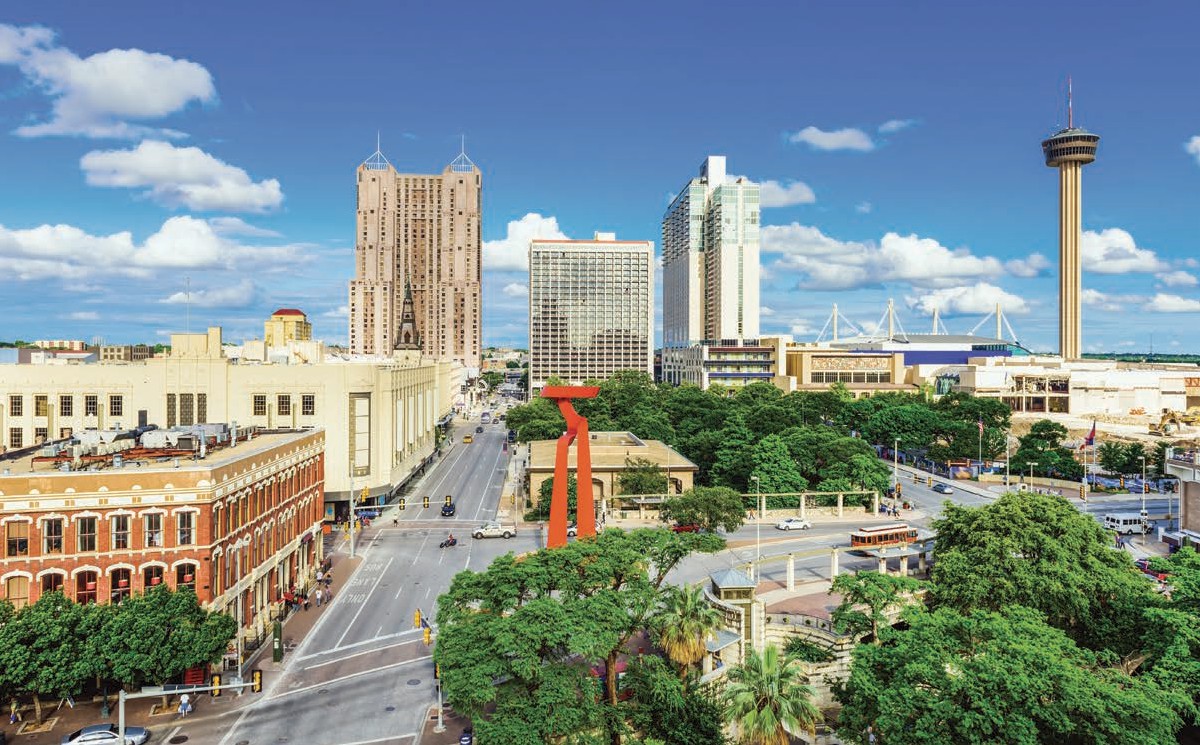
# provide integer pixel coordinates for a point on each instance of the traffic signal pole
(167, 690)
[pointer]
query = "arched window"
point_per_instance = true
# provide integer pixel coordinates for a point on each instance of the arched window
(152, 576)
(85, 587)
(17, 591)
(185, 576)
(52, 582)
(121, 585)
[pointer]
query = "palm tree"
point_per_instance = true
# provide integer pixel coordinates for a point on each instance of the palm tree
(683, 624)
(766, 698)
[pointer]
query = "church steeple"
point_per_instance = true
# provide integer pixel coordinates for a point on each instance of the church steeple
(407, 337)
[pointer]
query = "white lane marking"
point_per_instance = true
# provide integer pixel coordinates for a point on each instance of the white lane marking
(373, 650)
(365, 602)
(420, 549)
(449, 469)
(352, 645)
(172, 733)
(392, 738)
(487, 487)
(427, 591)
(378, 631)
(342, 679)
(312, 634)
(398, 592)
(245, 711)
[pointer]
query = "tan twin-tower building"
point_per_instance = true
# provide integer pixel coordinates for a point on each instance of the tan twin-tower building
(418, 236)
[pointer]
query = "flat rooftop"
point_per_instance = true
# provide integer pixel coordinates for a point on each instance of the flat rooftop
(609, 451)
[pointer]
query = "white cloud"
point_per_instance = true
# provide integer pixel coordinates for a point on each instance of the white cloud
(100, 95)
(895, 125)
(516, 289)
(1178, 278)
(1027, 267)
(342, 311)
(1108, 302)
(978, 299)
(830, 264)
(183, 242)
(766, 312)
(863, 207)
(181, 176)
(1113, 251)
(1163, 303)
(241, 295)
(800, 327)
(1192, 146)
(511, 253)
(838, 139)
(83, 315)
(776, 194)
(238, 226)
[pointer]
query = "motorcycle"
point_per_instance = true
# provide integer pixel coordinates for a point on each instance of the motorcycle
(448, 543)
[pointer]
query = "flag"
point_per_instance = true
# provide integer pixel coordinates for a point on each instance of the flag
(1091, 438)
(980, 423)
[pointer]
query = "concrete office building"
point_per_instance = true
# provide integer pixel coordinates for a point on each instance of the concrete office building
(286, 325)
(239, 525)
(591, 309)
(710, 237)
(418, 231)
(1069, 150)
(379, 415)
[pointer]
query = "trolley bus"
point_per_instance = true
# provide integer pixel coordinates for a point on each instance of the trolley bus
(883, 536)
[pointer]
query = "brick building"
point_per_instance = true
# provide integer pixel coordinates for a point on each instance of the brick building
(233, 514)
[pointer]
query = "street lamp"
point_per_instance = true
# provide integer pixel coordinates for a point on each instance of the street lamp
(1145, 523)
(1031, 467)
(757, 526)
(1007, 458)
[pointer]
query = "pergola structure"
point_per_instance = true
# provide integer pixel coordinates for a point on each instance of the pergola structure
(577, 431)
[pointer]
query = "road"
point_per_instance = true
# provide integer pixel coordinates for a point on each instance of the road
(364, 675)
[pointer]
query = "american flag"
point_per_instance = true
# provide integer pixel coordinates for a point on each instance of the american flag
(980, 423)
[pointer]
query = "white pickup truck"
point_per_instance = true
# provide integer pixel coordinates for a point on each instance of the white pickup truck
(494, 530)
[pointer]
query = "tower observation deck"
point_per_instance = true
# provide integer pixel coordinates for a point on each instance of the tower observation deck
(1069, 150)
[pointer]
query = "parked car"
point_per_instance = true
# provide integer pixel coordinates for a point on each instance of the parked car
(686, 528)
(793, 523)
(448, 510)
(941, 488)
(495, 529)
(1144, 565)
(106, 734)
(572, 530)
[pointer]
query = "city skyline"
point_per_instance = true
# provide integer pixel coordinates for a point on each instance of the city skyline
(884, 173)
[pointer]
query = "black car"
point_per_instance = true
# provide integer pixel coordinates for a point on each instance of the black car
(448, 510)
(479, 429)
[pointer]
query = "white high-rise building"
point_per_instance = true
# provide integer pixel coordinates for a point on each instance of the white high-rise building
(710, 264)
(591, 309)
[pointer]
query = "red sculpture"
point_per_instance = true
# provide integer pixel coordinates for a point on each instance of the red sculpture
(577, 431)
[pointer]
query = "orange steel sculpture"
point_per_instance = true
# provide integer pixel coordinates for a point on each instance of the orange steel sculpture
(577, 431)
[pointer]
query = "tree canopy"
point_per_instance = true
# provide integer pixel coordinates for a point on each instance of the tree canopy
(710, 507)
(1042, 449)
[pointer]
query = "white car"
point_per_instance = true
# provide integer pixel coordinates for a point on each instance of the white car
(793, 523)
(495, 530)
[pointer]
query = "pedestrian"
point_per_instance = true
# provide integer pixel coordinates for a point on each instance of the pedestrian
(328, 596)
(328, 581)
(304, 597)
(184, 705)
(320, 596)
(320, 576)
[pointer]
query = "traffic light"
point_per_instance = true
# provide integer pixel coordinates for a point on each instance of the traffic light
(1082, 491)
(428, 636)
(416, 619)
(1145, 488)
(437, 670)
(928, 481)
(216, 686)
(256, 680)
(424, 501)
(365, 494)
(447, 500)
(401, 505)
(898, 489)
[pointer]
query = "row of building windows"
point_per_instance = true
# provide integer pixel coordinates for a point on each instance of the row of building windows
(53, 539)
(283, 404)
(86, 584)
(846, 376)
(66, 405)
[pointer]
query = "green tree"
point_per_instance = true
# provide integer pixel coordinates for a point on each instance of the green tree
(710, 507)
(774, 467)
(867, 598)
(914, 425)
(541, 510)
(493, 379)
(1039, 551)
(766, 699)
(647, 423)
(1111, 457)
(683, 625)
(41, 652)
(642, 476)
(1042, 448)
(994, 413)
(771, 419)
(995, 677)
(731, 467)
(666, 710)
(517, 642)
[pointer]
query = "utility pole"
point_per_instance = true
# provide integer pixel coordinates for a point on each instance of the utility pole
(1145, 515)
(757, 526)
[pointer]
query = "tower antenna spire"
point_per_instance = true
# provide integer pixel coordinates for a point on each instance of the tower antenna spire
(1070, 106)
(378, 149)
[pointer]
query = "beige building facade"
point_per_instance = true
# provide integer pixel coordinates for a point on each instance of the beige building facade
(379, 416)
(418, 231)
(286, 325)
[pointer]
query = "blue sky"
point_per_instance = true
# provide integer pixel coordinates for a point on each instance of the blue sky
(145, 146)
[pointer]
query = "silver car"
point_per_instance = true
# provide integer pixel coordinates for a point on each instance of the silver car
(106, 734)
(793, 523)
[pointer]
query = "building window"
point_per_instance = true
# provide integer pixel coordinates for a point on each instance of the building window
(185, 521)
(116, 406)
(52, 583)
(152, 576)
(52, 536)
(41, 405)
(66, 406)
(201, 408)
(85, 530)
(153, 530)
(16, 438)
(172, 412)
(16, 536)
(120, 532)
(85, 588)
(40, 435)
(91, 405)
(185, 576)
(17, 591)
(260, 404)
(16, 405)
(284, 405)
(121, 580)
(308, 405)
(186, 410)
